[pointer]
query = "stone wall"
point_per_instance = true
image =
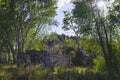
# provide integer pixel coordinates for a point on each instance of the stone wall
(44, 58)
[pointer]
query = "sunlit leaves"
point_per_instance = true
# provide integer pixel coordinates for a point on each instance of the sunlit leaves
(21, 21)
(115, 15)
(2, 4)
(90, 46)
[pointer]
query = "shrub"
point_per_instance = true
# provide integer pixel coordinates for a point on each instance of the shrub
(39, 74)
(99, 65)
(66, 74)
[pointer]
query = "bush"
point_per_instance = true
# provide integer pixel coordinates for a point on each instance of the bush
(67, 74)
(39, 74)
(99, 65)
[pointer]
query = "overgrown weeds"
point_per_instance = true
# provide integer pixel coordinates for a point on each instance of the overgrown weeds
(11, 72)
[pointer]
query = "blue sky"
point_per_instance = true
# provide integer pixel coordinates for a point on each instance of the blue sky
(63, 5)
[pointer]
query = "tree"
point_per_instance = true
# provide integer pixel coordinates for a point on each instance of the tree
(86, 21)
(78, 23)
(20, 18)
(32, 15)
(6, 30)
(103, 30)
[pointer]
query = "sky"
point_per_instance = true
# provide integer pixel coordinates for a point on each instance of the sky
(63, 5)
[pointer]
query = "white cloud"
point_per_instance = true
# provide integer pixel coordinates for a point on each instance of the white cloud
(61, 3)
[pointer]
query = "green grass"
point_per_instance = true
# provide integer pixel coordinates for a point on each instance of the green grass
(11, 72)
(6, 71)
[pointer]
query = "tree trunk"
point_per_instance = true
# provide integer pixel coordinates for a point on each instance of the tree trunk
(102, 43)
(13, 52)
(9, 58)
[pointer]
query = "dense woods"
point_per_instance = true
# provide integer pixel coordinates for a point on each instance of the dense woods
(29, 52)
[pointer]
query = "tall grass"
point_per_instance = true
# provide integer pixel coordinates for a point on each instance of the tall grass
(6, 72)
(11, 72)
